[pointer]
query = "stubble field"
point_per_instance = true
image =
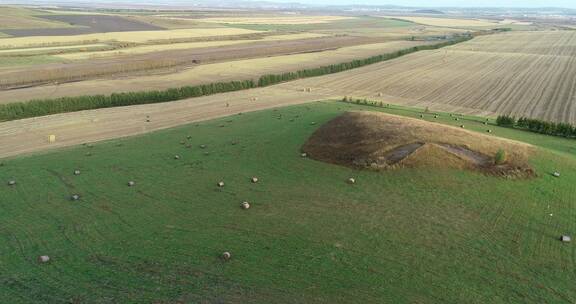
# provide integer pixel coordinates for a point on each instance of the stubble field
(524, 74)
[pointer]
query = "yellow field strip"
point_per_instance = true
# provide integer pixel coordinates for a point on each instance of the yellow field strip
(136, 37)
(55, 48)
(180, 46)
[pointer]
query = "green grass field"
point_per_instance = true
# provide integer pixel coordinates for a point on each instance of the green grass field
(406, 236)
(7, 61)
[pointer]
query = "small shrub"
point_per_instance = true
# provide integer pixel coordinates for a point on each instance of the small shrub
(500, 157)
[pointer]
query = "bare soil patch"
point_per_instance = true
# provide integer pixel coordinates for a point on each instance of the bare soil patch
(372, 140)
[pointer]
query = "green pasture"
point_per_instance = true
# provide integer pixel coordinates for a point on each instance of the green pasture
(405, 236)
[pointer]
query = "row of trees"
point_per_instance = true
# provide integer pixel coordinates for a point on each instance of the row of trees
(537, 126)
(42, 107)
(19, 110)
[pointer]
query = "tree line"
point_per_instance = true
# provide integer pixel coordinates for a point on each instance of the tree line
(538, 126)
(41, 107)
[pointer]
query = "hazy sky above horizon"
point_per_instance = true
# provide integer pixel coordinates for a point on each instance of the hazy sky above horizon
(439, 3)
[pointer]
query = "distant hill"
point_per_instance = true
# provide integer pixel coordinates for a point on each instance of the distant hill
(428, 11)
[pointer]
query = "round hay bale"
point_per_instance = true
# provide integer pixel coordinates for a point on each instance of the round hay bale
(182, 142)
(202, 146)
(226, 256)
(421, 116)
(435, 116)
(380, 94)
(220, 184)
(456, 119)
(313, 123)
(485, 123)
(88, 154)
(43, 259)
(462, 126)
(556, 174)
(76, 172)
(75, 197)
(176, 157)
(351, 181)
(245, 205)
(489, 131)
(304, 155)
(11, 183)
(254, 180)
(131, 183)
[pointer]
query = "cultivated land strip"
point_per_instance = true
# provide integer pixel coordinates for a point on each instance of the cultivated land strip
(98, 68)
(30, 135)
(205, 73)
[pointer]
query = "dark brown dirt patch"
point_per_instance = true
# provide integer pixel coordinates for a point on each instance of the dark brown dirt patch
(372, 140)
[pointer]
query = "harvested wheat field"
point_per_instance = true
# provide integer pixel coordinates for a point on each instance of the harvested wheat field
(277, 20)
(538, 80)
(145, 49)
(446, 22)
(166, 60)
(135, 37)
(382, 141)
(206, 73)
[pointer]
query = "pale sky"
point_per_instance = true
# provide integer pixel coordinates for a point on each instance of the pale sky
(439, 3)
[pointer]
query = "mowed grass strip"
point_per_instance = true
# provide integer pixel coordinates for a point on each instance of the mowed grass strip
(429, 236)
